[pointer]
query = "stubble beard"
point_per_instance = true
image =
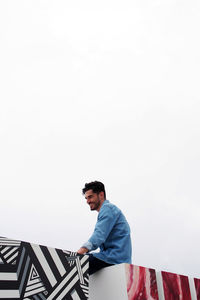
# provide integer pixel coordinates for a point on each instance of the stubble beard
(96, 205)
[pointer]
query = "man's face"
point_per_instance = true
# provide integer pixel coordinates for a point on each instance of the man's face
(93, 199)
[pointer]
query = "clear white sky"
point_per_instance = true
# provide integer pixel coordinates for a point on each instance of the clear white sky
(102, 90)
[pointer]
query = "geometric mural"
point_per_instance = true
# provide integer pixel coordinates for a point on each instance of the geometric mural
(34, 272)
(141, 283)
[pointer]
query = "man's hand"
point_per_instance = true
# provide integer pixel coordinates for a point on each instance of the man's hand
(82, 250)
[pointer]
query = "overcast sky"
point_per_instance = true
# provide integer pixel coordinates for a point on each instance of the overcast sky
(103, 91)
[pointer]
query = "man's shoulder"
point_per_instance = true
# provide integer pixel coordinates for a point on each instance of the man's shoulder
(108, 206)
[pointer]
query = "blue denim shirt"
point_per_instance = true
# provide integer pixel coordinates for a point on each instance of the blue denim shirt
(111, 235)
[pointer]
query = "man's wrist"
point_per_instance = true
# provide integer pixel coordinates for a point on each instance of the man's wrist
(88, 245)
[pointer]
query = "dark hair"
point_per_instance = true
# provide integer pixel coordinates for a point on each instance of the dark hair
(95, 186)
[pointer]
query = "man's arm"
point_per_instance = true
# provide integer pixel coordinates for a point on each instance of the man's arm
(105, 223)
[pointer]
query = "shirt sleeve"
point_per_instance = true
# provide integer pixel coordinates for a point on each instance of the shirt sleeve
(106, 220)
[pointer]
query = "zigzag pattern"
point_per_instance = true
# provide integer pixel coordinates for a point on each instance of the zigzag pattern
(35, 272)
(8, 251)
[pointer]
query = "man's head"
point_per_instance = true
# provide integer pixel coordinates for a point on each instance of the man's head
(94, 194)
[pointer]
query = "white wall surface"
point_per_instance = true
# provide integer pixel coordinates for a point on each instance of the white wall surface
(109, 283)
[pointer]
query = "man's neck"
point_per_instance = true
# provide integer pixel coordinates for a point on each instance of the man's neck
(98, 209)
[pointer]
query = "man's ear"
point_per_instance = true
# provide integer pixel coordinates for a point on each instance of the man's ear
(102, 195)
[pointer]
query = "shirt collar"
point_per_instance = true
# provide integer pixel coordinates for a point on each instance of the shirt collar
(104, 202)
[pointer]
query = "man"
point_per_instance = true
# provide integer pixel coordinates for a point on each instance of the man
(111, 233)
